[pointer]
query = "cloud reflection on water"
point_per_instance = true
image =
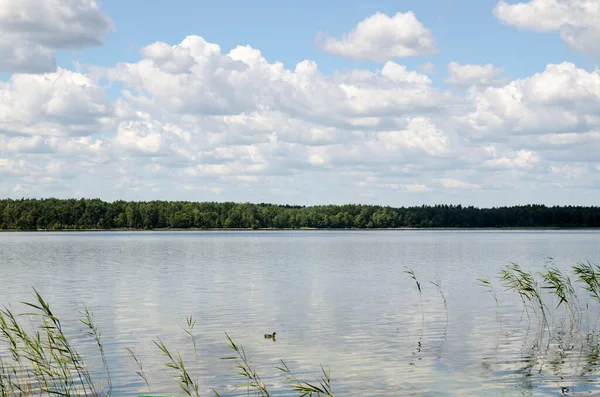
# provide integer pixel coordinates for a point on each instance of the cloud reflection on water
(340, 299)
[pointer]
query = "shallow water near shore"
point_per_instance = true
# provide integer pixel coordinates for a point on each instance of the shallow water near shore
(340, 298)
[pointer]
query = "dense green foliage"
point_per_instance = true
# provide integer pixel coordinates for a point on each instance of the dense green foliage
(54, 214)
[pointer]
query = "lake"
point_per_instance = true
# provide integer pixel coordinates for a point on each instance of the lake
(340, 298)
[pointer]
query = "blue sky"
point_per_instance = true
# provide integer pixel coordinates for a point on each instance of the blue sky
(465, 30)
(407, 102)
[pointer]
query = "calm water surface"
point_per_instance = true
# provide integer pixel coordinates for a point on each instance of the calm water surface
(337, 298)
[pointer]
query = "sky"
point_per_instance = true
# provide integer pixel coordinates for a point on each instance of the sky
(472, 102)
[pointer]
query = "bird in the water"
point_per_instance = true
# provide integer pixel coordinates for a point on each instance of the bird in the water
(270, 336)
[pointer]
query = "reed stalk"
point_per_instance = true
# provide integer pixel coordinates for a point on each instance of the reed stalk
(527, 288)
(589, 275)
(246, 369)
(43, 360)
(560, 285)
(140, 372)
(438, 285)
(485, 282)
(322, 388)
(413, 276)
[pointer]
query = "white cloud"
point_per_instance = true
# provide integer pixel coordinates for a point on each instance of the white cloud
(68, 24)
(409, 187)
(574, 175)
(379, 38)
(519, 159)
(427, 68)
(450, 183)
(140, 136)
(570, 138)
(26, 57)
(230, 169)
(195, 78)
(32, 30)
(191, 117)
(569, 171)
(317, 155)
(563, 98)
(420, 133)
(578, 21)
(57, 104)
(31, 144)
(190, 171)
(11, 167)
(416, 188)
(176, 59)
(474, 75)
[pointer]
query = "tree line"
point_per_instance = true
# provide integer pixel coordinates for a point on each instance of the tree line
(70, 214)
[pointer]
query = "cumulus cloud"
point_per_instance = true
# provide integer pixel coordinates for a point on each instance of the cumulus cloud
(578, 21)
(409, 187)
(380, 37)
(519, 159)
(474, 75)
(195, 122)
(574, 176)
(195, 78)
(570, 138)
(140, 137)
(10, 167)
(428, 68)
(30, 144)
(56, 104)
(449, 183)
(32, 30)
(561, 99)
(420, 133)
(25, 58)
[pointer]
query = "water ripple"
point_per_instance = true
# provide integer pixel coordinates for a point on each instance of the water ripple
(341, 299)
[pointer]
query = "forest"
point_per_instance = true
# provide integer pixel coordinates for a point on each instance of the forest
(82, 214)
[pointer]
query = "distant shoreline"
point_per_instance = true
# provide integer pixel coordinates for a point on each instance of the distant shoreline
(98, 215)
(510, 228)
